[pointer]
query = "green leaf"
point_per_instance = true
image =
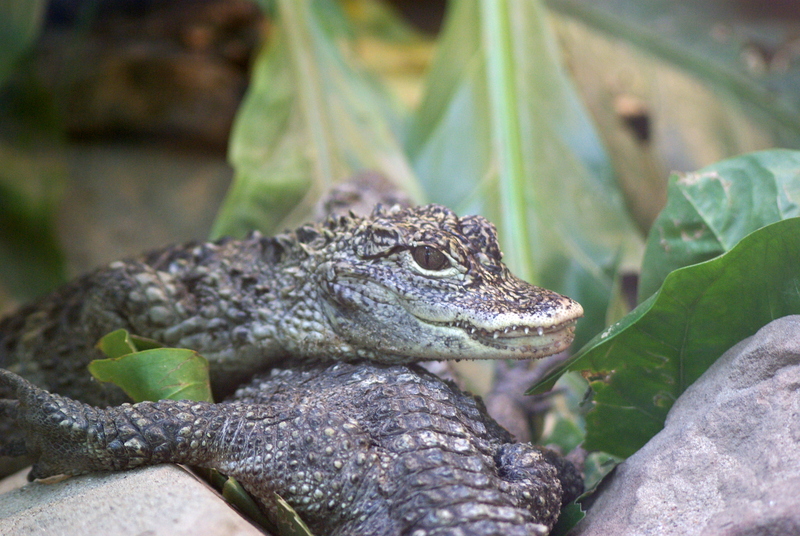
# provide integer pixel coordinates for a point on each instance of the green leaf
(147, 371)
(283, 521)
(152, 374)
(310, 119)
(501, 132)
(746, 58)
(711, 210)
(31, 263)
(286, 521)
(645, 361)
(397, 54)
(564, 423)
(120, 343)
(289, 522)
(569, 517)
(20, 24)
(234, 493)
(117, 344)
(143, 343)
(596, 466)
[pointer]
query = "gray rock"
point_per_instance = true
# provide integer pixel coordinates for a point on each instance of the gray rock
(728, 459)
(164, 500)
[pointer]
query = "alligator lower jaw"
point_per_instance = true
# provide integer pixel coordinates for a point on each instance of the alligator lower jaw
(549, 343)
(510, 332)
(520, 342)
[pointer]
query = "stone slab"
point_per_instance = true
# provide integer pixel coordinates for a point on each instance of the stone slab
(164, 500)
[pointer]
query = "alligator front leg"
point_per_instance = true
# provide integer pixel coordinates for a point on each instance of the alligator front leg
(65, 436)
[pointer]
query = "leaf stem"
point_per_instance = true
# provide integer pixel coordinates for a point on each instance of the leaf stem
(297, 16)
(505, 125)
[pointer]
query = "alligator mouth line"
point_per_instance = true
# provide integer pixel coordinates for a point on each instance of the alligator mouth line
(560, 335)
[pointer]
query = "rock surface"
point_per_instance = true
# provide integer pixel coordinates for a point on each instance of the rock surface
(164, 500)
(728, 459)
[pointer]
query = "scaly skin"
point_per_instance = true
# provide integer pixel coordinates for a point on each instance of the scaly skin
(397, 286)
(363, 449)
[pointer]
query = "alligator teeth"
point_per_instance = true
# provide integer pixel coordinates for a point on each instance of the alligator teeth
(507, 332)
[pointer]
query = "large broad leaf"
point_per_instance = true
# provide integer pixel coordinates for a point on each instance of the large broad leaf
(711, 210)
(146, 372)
(746, 56)
(30, 185)
(31, 262)
(502, 133)
(644, 362)
(309, 120)
(20, 23)
(397, 54)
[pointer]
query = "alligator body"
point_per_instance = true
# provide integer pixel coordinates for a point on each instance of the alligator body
(397, 286)
(368, 449)
(357, 440)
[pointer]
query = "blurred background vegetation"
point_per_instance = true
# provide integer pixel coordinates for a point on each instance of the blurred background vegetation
(129, 124)
(117, 114)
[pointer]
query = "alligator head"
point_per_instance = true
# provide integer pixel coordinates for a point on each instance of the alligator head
(417, 283)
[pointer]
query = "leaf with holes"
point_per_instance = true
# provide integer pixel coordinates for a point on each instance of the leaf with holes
(640, 365)
(709, 211)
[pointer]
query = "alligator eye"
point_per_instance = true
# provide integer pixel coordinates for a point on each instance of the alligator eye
(430, 258)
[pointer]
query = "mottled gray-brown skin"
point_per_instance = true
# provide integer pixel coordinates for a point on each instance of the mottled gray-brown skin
(357, 447)
(363, 449)
(400, 285)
